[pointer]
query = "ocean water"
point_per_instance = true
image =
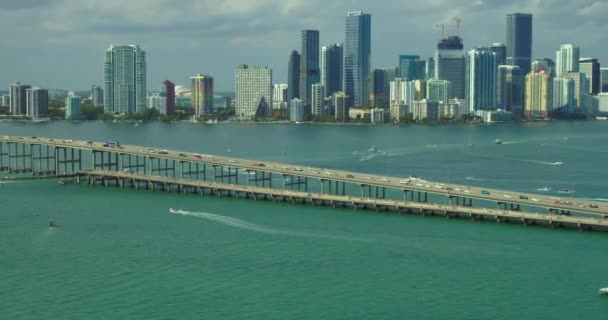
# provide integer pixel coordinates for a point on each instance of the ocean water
(119, 254)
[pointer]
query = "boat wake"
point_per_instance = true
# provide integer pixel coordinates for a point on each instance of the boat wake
(244, 225)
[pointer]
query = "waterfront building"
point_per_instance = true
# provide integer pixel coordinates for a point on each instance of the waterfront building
(293, 76)
(253, 92)
(519, 41)
(429, 68)
(591, 67)
(563, 95)
(5, 100)
(500, 50)
(545, 64)
(380, 87)
(357, 58)
(309, 64)
(340, 107)
(418, 90)
(410, 67)
(378, 115)
(332, 58)
(18, 98)
(202, 94)
(453, 108)
(364, 114)
(156, 101)
(297, 110)
(604, 79)
(279, 96)
(223, 102)
(602, 104)
(481, 79)
(425, 110)
(97, 96)
(398, 99)
(72, 108)
(494, 115)
(37, 101)
(450, 65)
(567, 59)
(537, 94)
(438, 90)
(317, 99)
(510, 89)
(581, 87)
(167, 91)
(124, 79)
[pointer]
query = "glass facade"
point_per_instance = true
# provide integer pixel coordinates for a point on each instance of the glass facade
(309, 64)
(519, 41)
(357, 59)
(125, 79)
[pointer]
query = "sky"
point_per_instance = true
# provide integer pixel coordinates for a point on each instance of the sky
(60, 44)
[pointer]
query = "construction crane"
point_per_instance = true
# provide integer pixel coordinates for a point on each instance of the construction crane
(458, 21)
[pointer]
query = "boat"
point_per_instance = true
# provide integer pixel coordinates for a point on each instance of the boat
(372, 149)
(603, 291)
(544, 189)
(566, 191)
(174, 211)
(470, 178)
(497, 141)
(52, 224)
(61, 182)
(557, 163)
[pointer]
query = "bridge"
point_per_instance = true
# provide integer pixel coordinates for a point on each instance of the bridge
(59, 157)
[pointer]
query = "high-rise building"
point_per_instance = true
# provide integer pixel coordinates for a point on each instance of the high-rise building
(510, 89)
(332, 58)
(591, 67)
(293, 76)
(449, 64)
(604, 79)
(125, 79)
(6, 100)
(537, 94)
(581, 87)
(410, 67)
(18, 98)
(425, 110)
(317, 100)
(156, 101)
(309, 64)
(566, 59)
(340, 108)
(545, 64)
(357, 58)
(72, 108)
(97, 96)
(253, 92)
(202, 94)
(429, 69)
(279, 96)
(398, 99)
(563, 95)
(519, 41)
(380, 87)
(500, 50)
(167, 90)
(37, 101)
(297, 110)
(481, 79)
(438, 90)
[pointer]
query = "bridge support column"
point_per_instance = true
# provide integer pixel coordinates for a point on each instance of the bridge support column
(68, 161)
(42, 157)
(20, 159)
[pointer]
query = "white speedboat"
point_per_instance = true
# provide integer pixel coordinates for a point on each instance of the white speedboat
(52, 224)
(174, 211)
(498, 141)
(470, 178)
(566, 191)
(557, 163)
(604, 291)
(544, 189)
(372, 149)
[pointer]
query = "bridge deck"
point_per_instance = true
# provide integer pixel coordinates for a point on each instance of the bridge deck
(526, 218)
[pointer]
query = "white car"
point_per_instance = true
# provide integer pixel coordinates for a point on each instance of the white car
(467, 191)
(232, 161)
(385, 179)
(534, 199)
(404, 181)
(298, 169)
(507, 196)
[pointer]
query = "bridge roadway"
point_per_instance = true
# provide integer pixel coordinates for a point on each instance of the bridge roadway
(454, 191)
(133, 180)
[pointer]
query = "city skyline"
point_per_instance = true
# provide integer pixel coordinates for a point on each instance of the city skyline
(260, 40)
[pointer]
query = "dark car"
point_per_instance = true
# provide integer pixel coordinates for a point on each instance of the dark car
(523, 197)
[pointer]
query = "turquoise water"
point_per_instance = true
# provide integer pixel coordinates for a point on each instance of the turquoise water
(119, 254)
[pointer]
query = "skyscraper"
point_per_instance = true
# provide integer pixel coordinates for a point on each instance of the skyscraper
(332, 58)
(481, 79)
(18, 98)
(202, 94)
(510, 89)
(537, 94)
(72, 107)
(340, 108)
(437, 90)
(37, 100)
(279, 96)
(566, 59)
(167, 90)
(519, 41)
(563, 95)
(604, 79)
(125, 79)
(409, 67)
(591, 67)
(357, 59)
(293, 76)
(97, 95)
(398, 99)
(546, 64)
(317, 100)
(253, 92)
(500, 49)
(581, 87)
(309, 64)
(380, 90)
(449, 64)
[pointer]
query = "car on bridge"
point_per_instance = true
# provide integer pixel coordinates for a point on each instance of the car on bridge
(485, 192)
(198, 156)
(593, 206)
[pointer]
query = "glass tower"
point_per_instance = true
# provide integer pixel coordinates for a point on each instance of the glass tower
(519, 40)
(309, 64)
(357, 58)
(293, 76)
(331, 68)
(125, 79)
(481, 79)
